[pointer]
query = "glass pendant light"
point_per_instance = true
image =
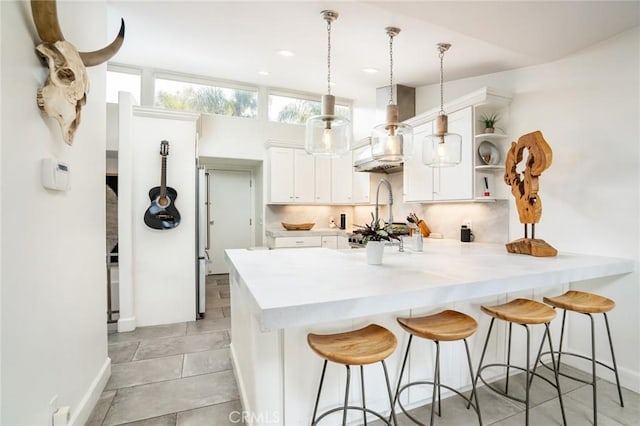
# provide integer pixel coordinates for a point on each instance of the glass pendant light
(391, 142)
(328, 134)
(442, 149)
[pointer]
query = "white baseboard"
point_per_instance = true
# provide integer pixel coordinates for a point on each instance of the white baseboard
(238, 376)
(126, 324)
(81, 414)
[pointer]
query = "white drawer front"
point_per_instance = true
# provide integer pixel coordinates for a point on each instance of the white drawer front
(284, 242)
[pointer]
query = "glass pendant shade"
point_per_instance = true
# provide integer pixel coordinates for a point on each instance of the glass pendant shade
(392, 142)
(327, 134)
(442, 149)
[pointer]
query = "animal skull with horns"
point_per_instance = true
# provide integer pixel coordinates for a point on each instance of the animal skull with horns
(65, 91)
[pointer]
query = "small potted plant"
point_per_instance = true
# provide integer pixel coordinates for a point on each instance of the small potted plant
(489, 121)
(374, 235)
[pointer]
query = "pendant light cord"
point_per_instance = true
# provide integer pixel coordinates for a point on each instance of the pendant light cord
(329, 56)
(390, 68)
(441, 55)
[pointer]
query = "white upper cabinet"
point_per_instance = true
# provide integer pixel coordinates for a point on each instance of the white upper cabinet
(323, 180)
(281, 175)
(456, 183)
(342, 179)
(304, 176)
(465, 181)
(291, 176)
(418, 178)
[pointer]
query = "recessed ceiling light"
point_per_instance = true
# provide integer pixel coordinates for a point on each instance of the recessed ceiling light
(262, 72)
(370, 70)
(285, 53)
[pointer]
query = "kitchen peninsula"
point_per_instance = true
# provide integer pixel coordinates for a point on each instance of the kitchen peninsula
(278, 296)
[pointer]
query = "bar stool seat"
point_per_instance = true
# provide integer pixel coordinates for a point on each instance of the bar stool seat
(367, 345)
(587, 304)
(360, 347)
(521, 311)
(580, 301)
(524, 312)
(446, 326)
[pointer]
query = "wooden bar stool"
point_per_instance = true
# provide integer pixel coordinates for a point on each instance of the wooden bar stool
(524, 312)
(446, 326)
(368, 345)
(587, 304)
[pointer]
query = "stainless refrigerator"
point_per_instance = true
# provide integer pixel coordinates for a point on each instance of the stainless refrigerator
(202, 239)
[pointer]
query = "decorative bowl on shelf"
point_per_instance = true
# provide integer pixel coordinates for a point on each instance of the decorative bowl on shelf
(489, 153)
(297, 226)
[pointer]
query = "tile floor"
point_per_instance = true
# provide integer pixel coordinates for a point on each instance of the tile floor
(180, 375)
(176, 374)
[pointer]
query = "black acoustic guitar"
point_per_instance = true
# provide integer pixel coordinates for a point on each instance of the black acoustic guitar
(162, 213)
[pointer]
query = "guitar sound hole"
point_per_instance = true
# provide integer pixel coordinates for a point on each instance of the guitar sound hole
(163, 202)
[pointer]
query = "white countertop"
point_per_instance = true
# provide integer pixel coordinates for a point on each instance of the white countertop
(295, 287)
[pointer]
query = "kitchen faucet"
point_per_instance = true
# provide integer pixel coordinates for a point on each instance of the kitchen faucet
(388, 185)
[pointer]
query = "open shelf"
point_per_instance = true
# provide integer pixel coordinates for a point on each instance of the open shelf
(491, 168)
(491, 136)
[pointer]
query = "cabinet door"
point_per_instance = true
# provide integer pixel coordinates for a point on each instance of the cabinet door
(456, 183)
(342, 179)
(418, 178)
(330, 241)
(281, 175)
(323, 180)
(361, 187)
(304, 177)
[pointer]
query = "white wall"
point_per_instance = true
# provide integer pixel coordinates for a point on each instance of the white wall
(587, 108)
(164, 261)
(54, 335)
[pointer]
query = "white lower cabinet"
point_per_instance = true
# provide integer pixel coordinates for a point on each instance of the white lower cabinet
(330, 241)
(288, 242)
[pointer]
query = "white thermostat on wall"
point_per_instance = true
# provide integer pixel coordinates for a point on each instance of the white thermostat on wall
(55, 174)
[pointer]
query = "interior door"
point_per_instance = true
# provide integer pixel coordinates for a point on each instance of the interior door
(231, 215)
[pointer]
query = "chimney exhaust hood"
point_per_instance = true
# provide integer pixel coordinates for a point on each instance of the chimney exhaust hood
(364, 162)
(406, 100)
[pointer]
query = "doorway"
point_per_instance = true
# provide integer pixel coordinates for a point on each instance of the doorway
(231, 221)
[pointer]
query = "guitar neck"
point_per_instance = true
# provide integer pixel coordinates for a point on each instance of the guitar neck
(163, 178)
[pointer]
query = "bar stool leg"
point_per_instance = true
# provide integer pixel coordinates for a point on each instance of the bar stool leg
(613, 358)
(436, 382)
(364, 405)
(473, 385)
(593, 371)
(484, 351)
(315, 409)
(346, 397)
(404, 363)
(506, 385)
(391, 399)
(526, 371)
(556, 372)
(439, 387)
(564, 317)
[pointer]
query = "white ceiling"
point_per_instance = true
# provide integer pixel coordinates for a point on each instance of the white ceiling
(233, 40)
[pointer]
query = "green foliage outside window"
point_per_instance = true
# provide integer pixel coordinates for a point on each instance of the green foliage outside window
(185, 96)
(284, 109)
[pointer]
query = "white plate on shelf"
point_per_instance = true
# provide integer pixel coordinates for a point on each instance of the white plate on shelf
(489, 153)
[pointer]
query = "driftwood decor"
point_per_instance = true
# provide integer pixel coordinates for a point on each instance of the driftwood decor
(65, 91)
(524, 187)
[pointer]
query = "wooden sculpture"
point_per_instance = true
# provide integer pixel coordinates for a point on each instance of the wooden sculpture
(524, 187)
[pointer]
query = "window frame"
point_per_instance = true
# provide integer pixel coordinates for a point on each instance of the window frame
(304, 96)
(213, 83)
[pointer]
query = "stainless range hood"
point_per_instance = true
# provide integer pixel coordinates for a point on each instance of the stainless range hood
(364, 162)
(405, 98)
